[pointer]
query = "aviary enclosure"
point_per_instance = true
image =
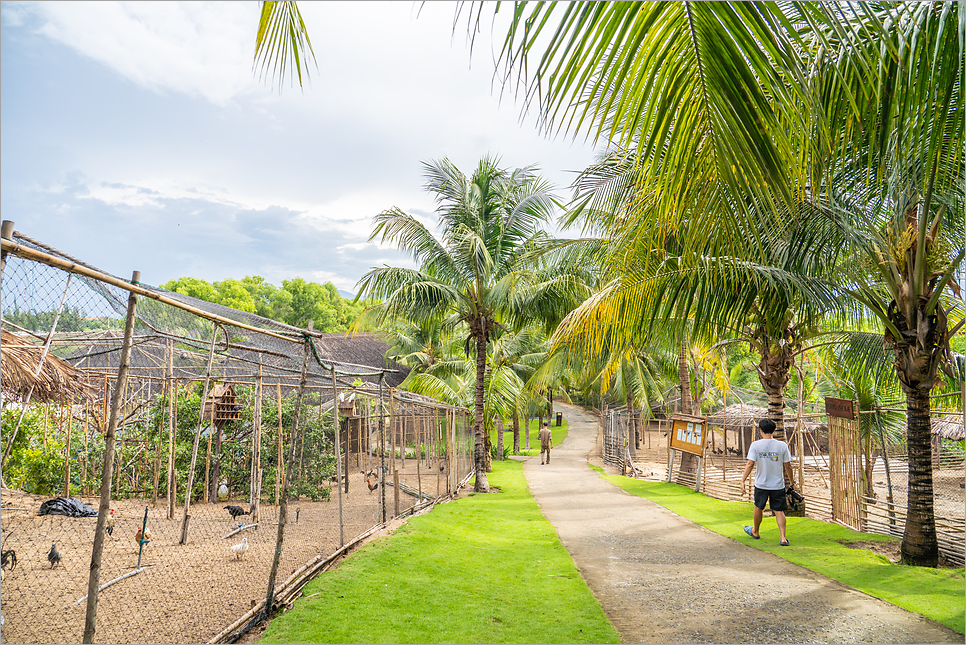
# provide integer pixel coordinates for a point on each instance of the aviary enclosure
(207, 416)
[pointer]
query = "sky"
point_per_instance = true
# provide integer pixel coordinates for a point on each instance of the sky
(136, 136)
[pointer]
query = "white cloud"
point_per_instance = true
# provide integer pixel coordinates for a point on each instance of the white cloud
(196, 48)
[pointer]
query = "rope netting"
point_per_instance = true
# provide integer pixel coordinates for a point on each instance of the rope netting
(224, 404)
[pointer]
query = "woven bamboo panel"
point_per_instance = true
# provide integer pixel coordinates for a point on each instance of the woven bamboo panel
(845, 471)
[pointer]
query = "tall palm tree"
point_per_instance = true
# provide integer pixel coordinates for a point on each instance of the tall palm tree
(470, 274)
(897, 184)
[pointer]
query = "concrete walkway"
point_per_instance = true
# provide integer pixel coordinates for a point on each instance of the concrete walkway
(663, 579)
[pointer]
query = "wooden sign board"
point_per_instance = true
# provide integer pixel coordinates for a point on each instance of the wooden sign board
(688, 434)
(841, 408)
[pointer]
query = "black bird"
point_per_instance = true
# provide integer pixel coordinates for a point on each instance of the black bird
(53, 556)
(9, 559)
(236, 511)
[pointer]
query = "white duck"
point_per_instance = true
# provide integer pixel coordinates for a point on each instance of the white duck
(240, 548)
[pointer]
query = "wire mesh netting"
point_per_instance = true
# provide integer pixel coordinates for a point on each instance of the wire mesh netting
(221, 403)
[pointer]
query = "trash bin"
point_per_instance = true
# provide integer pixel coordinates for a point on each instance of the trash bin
(559, 418)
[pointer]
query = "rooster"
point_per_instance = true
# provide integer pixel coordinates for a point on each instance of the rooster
(53, 556)
(109, 525)
(145, 537)
(372, 480)
(240, 548)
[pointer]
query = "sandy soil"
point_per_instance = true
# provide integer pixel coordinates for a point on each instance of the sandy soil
(663, 579)
(186, 593)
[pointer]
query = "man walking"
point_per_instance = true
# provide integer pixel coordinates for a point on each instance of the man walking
(546, 441)
(772, 461)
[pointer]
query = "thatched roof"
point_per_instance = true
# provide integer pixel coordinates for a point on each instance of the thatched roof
(949, 428)
(57, 380)
(740, 415)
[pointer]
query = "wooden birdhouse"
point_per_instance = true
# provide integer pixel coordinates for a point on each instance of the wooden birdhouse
(222, 405)
(347, 408)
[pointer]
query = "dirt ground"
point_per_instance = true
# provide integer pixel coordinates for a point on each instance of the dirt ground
(185, 593)
(663, 579)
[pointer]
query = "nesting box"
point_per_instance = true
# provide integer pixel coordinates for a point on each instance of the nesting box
(347, 408)
(222, 406)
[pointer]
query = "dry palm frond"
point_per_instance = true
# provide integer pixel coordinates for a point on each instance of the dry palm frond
(57, 380)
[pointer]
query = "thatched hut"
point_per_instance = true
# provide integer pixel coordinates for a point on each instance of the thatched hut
(743, 419)
(56, 381)
(949, 427)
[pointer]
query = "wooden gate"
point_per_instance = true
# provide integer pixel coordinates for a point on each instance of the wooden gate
(845, 462)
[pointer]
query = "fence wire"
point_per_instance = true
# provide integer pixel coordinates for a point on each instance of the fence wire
(884, 501)
(395, 451)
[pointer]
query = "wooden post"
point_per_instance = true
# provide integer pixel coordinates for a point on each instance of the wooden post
(90, 619)
(382, 445)
(338, 453)
(194, 451)
(211, 430)
(395, 492)
(279, 466)
(392, 429)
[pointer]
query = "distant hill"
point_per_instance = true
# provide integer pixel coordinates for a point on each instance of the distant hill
(346, 294)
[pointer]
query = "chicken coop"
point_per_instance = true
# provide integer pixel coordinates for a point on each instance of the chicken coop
(164, 400)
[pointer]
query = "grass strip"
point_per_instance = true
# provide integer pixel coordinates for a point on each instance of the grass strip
(484, 569)
(939, 594)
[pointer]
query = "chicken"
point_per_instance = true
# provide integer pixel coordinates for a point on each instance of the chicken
(372, 480)
(146, 535)
(53, 556)
(236, 512)
(240, 548)
(109, 525)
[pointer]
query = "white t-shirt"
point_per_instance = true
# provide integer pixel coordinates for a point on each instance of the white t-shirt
(769, 455)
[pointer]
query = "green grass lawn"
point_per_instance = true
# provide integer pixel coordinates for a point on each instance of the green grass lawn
(483, 569)
(559, 434)
(820, 546)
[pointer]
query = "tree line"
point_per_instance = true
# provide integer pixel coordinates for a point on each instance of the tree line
(295, 303)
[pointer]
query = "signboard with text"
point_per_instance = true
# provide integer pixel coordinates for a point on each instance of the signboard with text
(688, 434)
(841, 408)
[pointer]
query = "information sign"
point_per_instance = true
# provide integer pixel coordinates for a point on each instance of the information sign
(688, 434)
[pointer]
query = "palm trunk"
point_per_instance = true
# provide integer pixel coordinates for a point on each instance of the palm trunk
(516, 433)
(479, 445)
(919, 544)
(499, 438)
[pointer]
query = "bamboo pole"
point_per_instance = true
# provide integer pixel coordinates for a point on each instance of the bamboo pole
(255, 483)
(194, 451)
(172, 398)
(67, 459)
(283, 504)
(338, 455)
(90, 619)
(279, 466)
(71, 267)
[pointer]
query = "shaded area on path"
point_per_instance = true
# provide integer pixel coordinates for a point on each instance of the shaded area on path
(663, 579)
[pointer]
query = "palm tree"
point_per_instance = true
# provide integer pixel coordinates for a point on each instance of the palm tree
(895, 183)
(282, 42)
(470, 274)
